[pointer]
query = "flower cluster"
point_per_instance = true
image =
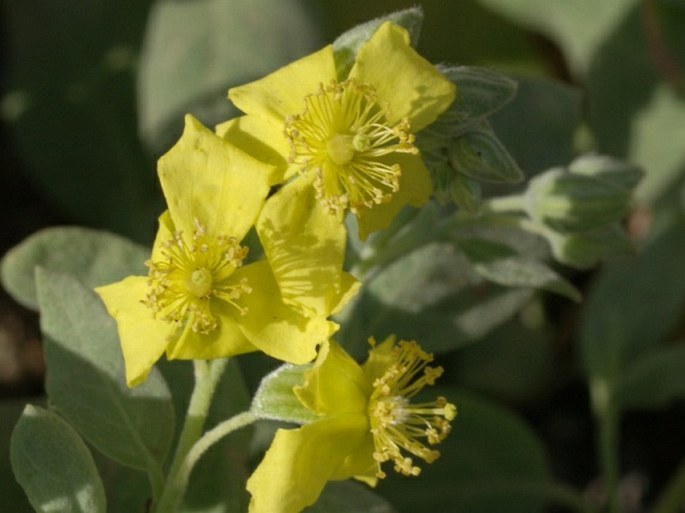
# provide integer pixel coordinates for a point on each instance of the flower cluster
(311, 147)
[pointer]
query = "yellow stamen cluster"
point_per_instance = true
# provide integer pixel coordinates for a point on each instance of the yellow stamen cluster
(183, 283)
(400, 427)
(344, 138)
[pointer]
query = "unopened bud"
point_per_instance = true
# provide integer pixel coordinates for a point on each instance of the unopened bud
(572, 203)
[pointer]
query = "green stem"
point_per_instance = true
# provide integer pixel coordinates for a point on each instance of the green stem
(672, 498)
(208, 439)
(608, 417)
(513, 203)
(207, 375)
(562, 495)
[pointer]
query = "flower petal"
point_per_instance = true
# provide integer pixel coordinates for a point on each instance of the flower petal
(415, 189)
(281, 94)
(250, 134)
(277, 329)
(207, 179)
(336, 384)
(411, 85)
(143, 338)
(300, 461)
(305, 246)
(381, 356)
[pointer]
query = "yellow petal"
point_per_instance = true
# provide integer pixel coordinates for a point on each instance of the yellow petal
(260, 139)
(282, 93)
(277, 329)
(360, 463)
(411, 85)
(226, 340)
(143, 338)
(415, 189)
(300, 461)
(305, 246)
(165, 233)
(205, 178)
(336, 384)
(381, 356)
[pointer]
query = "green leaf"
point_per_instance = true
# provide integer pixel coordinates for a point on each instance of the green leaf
(195, 51)
(512, 363)
(653, 381)
(71, 109)
(634, 59)
(495, 262)
(275, 399)
(550, 112)
(54, 466)
(567, 23)
(13, 496)
(85, 379)
(346, 46)
(349, 497)
(491, 461)
(479, 154)
(432, 295)
(95, 257)
(632, 307)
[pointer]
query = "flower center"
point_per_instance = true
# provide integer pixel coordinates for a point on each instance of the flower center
(344, 138)
(340, 149)
(399, 426)
(189, 276)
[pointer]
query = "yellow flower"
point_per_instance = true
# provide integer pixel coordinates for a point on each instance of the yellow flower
(364, 417)
(351, 137)
(201, 300)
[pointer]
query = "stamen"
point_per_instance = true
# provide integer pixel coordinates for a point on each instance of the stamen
(398, 426)
(182, 285)
(342, 136)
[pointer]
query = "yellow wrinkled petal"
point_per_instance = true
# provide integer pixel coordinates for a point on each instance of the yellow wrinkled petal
(205, 178)
(415, 189)
(278, 329)
(299, 462)
(380, 358)
(411, 85)
(143, 338)
(282, 93)
(335, 385)
(305, 246)
(260, 139)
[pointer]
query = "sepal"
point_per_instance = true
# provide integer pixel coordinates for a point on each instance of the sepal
(481, 93)
(275, 399)
(479, 154)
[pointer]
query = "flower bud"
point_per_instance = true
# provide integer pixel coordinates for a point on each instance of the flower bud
(569, 202)
(585, 250)
(620, 174)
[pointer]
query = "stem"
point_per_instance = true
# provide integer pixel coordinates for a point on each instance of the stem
(208, 439)
(564, 496)
(513, 203)
(607, 415)
(207, 375)
(671, 499)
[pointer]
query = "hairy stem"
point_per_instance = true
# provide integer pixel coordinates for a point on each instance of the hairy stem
(207, 375)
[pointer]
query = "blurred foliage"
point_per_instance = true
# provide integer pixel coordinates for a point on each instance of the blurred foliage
(94, 91)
